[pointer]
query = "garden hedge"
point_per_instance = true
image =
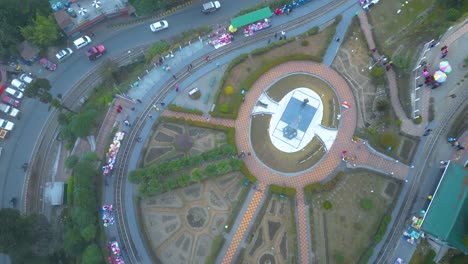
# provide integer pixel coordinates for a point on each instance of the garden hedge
(176, 108)
(282, 190)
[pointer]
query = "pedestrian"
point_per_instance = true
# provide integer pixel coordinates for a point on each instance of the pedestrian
(443, 55)
(133, 108)
(191, 66)
(453, 95)
(177, 87)
(138, 100)
(276, 35)
(444, 47)
(207, 57)
(269, 41)
(283, 33)
(338, 40)
(150, 116)
(173, 76)
(373, 50)
(163, 104)
(188, 68)
(243, 99)
(127, 123)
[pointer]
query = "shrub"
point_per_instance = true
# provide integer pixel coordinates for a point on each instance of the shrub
(228, 90)
(327, 205)
(355, 138)
(71, 181)
(282, 190)
(176, 108)
(338, 19)
(305, 43)
(453, 14)
(418, 120)
(71, 161)
(382, 105)
(389, 139)
(225, 108)
(366, 204)
(398, 123)
(157, 49)
(313, 31)
(377, 71)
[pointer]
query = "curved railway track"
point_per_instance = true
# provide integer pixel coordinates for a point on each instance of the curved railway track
(121, 169)
(396, 231)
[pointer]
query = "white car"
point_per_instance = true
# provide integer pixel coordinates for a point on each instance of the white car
(7, 125)
(18, 84)
(14, 93)
(158, 26)
(26, 79)
(63, 54)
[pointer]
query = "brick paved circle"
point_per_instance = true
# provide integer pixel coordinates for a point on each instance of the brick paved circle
(342, 141)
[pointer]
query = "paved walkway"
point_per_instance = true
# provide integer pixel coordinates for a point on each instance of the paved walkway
(407, 125)
(362, 155)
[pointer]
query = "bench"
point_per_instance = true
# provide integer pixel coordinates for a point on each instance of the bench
(206, 98)
(212, 81)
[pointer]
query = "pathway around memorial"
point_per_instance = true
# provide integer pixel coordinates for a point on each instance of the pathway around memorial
(363, 156)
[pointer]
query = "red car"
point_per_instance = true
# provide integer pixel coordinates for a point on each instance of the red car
(48, 64)
(11, 101)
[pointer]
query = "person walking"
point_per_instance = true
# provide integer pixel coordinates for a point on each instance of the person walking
(173, 76)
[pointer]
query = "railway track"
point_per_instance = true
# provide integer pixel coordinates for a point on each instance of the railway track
(396, 231)
(121, 169)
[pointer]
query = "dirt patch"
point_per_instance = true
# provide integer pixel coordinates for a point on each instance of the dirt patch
(258, 242)
(273, 228)
(156, 153)
(160, 136)
(348, 228)
(284, 247)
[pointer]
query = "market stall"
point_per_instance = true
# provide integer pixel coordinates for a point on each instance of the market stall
(116, 256)
(221, 41)
(107, 213)
(253, 21)
(111, 154)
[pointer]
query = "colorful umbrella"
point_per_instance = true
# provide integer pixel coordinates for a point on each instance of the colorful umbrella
(232, 29)
(445, 66)
(440, 76)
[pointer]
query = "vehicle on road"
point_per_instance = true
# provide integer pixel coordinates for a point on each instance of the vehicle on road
(11, 101)
(95, 52)
(9, 110)
(17, 84)
(210, 7)
(158, 26)
(48, 64)
(25, 79)
(14, 93)
(7, 125)
(81, 42)
(63, 54)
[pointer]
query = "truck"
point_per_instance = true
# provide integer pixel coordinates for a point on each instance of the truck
(9, 110)
(211, 7)
(95, 52)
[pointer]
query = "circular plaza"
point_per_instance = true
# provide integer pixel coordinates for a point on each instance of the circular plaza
(299, 113)
(300, 124)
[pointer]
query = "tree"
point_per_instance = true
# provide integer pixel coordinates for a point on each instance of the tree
(401, 62)
(82, 123)
(38, 88)
(327, 205)
(382, 105)
(15, 238)
(73, 242)
(377, 71)
(43, 31)
(183, 180)
(109, 70)
(71, 161)
(92, 255)
(89, 232)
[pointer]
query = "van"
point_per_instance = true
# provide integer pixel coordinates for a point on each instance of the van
(14, 93)
(81, 42)
(211, 7)
(18, 84)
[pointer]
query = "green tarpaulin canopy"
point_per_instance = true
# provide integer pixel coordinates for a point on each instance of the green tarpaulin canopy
(251, 17)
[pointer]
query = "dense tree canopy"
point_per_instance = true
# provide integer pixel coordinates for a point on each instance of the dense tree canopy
(43, 31)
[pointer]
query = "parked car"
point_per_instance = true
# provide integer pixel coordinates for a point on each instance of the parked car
(48, 64)
(7, 125)
(211, 7)
(63, 54)
(11, 101)
(17, 84)
(26, 78)
(81, 42)
(14, 93)
(158, 26)
(9, 110)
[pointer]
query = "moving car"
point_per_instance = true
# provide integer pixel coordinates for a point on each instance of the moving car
(9, 110)
(63, 54)
(81, 42)
(158, 26)
(95, 52)
(11, 101)
(7, 125)
(211, 7)
(48, 64)
(14, 93)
